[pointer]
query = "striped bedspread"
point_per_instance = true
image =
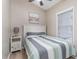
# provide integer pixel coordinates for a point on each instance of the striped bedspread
(47, 47)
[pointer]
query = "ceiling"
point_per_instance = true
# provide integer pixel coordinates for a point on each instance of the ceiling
(47, 4)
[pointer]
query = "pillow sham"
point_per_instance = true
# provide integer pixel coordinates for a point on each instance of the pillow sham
(35, 33)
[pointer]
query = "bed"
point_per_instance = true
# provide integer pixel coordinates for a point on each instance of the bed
(39, 45)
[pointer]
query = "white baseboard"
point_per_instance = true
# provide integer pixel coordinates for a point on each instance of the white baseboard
(9, 55)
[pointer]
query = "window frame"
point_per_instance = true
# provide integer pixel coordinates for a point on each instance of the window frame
(63, 11)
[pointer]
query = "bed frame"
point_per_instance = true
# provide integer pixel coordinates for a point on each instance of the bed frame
(32, 28)
(35, 28)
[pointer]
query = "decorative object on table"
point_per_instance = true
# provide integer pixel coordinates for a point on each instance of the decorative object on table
(16, 31)
(34, 18)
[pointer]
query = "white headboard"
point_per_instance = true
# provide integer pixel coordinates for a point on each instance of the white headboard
(33, 28)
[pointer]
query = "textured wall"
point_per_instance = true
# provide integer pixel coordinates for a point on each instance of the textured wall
(51, 16)
(20, 10)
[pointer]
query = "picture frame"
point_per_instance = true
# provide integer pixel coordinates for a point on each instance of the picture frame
(34, 18)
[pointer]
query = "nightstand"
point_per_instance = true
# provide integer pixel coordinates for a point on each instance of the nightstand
(16, 43)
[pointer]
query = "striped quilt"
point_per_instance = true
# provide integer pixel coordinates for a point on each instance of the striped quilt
(47, 47)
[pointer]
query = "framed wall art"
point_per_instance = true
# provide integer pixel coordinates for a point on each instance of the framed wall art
(34, 18)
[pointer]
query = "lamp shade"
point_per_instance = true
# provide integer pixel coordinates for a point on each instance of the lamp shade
(16, 30)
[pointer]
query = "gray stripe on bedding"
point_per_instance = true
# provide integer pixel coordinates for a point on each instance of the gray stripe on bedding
(61, 45)
(42, 51)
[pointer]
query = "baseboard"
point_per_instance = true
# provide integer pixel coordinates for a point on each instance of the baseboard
(9, 55)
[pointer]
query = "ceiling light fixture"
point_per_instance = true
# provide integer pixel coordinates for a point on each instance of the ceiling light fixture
(38, 0)
(41, 3)
(30, 0)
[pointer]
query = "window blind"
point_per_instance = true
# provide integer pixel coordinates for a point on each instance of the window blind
(65, 24)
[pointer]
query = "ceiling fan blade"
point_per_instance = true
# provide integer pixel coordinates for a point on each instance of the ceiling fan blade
(41, 3)
(31, 0)
(49, 0)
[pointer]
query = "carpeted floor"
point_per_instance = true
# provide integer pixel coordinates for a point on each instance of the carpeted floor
(22, 55)
(18, 55)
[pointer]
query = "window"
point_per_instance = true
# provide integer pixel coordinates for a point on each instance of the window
(65, 24)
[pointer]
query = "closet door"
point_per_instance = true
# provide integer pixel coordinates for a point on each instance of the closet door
(65, 24)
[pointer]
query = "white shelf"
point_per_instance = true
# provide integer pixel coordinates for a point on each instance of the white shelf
(16, 43)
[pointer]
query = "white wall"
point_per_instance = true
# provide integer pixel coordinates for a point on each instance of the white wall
(5, 28)
(19, 16)
(51, 16)
(20, 10)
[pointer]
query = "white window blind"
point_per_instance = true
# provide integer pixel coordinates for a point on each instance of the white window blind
(65, 24)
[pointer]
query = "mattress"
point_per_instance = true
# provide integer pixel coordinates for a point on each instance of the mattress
(47, 47)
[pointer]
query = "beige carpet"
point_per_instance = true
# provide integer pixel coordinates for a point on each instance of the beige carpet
(22, 55)
(18, 55)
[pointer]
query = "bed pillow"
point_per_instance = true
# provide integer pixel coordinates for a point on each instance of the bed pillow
(35, 33)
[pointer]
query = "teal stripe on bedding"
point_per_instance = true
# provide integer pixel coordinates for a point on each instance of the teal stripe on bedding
(42, 51)
(61, 44)
(56, 51)
(70, 46)
(33, 53)
(70, 49)
(48, 44)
